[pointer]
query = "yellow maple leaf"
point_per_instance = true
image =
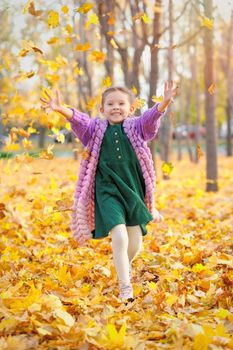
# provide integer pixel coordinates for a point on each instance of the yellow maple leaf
(78, 71)
(65, 316)
(65, 9)
(113, 43)
(107, 82)
(23, 52)
(167, 168)
(114, 339)
(201, 342)
(97, 56)
(68, 126)
(171, 299)
(52, 78)
(157, 98)
(69, 29)
(47, 154)
(32, 10)
(83, 47)
(27, 144)
(111, 19)
(135, 91)
(84, 8)
(25, 9)
(145, 18)
(212, 89)
(53, 19)
(60, 138)
(199, 152)
(206, 22)
(93, 19)
(53, 40)
(110, 33)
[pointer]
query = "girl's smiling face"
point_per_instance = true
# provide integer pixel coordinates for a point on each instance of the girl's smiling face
(116, 107)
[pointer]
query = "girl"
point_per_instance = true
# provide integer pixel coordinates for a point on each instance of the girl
(116, 183)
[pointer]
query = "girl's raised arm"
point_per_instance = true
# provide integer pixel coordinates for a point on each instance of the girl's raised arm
(81, 124)
(55, 104)
(149, 121)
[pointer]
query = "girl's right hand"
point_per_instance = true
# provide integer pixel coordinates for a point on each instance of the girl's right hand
(54, 103)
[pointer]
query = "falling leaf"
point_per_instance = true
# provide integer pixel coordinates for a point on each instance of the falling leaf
(145, 18)
(212, 89)
(93, 19)
(135, 91)
(157, 98)
(69, 29)
(53, 40)
(27, 144)
(111, 19)
(113, 43)
(167, 168)
(65, 9)
(78, 71)
(85, 8)
(110, 33)
(47, 154)
(36, 49)
(199, 151)
(97, 56)
(206, 22)
(53, 19)
(83, 47)
(107, 81)
(25, 10)
(32, 10)
(60, 138)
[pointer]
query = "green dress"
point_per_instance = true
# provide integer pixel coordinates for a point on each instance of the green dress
(119, 185)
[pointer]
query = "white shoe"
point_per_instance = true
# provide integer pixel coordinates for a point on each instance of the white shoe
(126, 292)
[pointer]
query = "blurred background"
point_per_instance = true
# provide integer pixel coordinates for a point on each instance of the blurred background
(83, 48)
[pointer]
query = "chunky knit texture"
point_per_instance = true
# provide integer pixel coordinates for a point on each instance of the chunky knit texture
(91, 133)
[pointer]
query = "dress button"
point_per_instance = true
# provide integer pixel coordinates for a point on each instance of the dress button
(117, 141)
(115, 133)
(119, 156)
(118, 149)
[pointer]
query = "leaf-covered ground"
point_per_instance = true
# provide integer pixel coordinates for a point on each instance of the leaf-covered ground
(55, 295)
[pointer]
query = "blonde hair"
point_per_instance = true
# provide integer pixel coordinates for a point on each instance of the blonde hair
(117, 88)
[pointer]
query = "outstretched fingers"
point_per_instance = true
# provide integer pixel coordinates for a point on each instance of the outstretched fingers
(44, 100)
(48, 95)
(58, 95)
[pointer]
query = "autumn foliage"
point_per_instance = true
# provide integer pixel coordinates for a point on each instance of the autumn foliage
(57, 295)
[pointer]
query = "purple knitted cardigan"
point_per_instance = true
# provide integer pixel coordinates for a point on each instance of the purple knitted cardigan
(90, 131)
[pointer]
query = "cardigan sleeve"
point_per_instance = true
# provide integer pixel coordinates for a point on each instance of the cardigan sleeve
(82, 126)
(149, 122)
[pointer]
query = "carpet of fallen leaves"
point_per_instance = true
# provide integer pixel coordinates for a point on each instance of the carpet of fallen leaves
(55, 295)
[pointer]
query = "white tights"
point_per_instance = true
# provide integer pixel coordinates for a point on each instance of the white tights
(126, 243)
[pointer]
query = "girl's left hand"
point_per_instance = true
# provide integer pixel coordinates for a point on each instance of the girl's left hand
(157, 217)
(170, 90)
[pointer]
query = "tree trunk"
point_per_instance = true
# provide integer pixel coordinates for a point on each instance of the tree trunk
(211, 149)
(167, 123)
(197, 100)
(154, 69)
(229, 75)
(41, 139)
